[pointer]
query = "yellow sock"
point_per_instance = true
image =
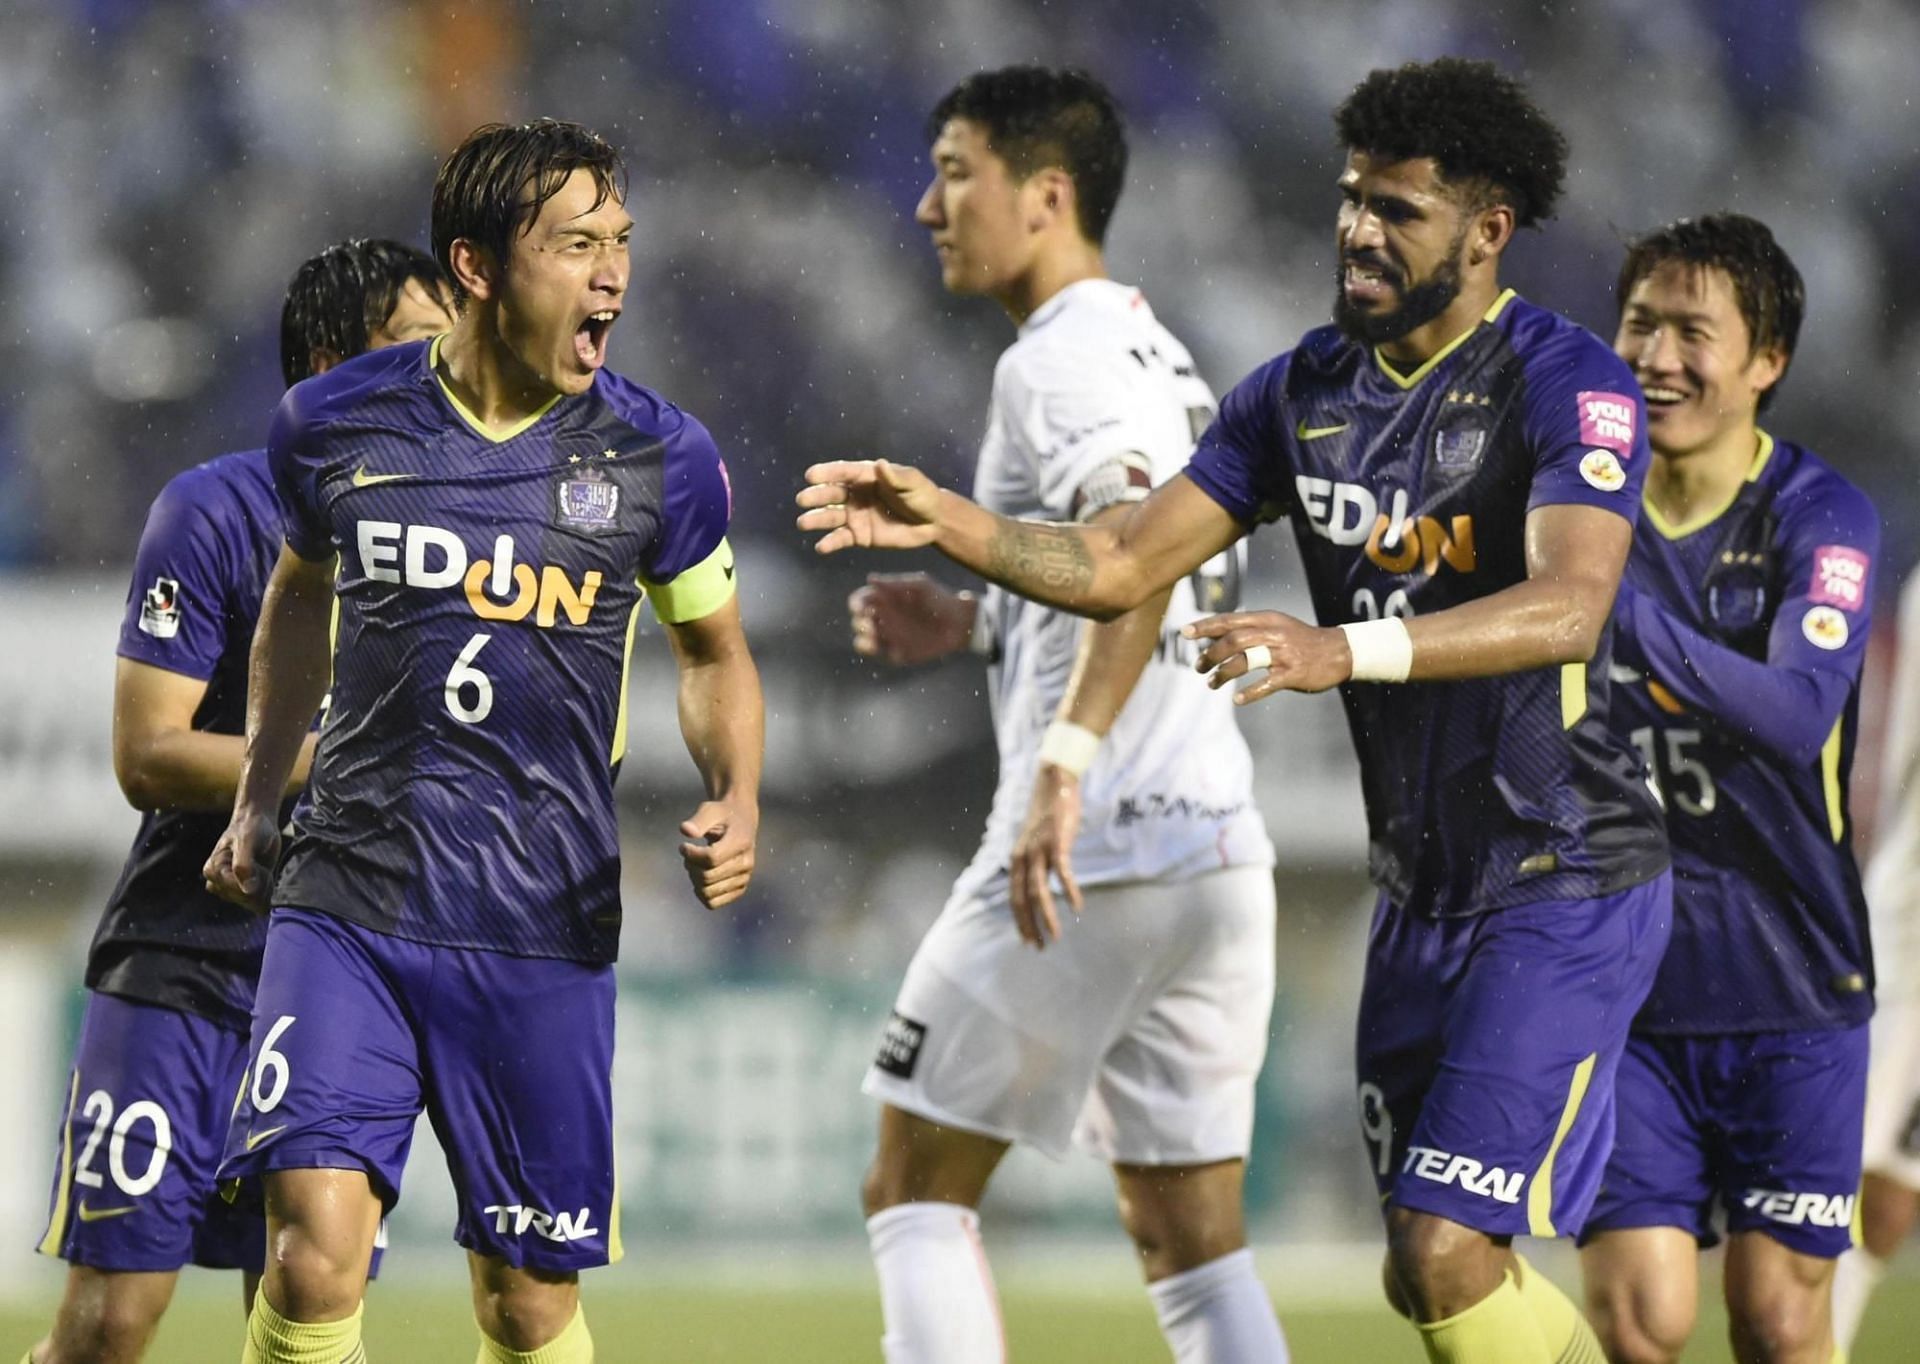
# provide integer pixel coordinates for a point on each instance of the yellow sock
(1567, 1333)
(571, 1346)
(272, 1339)
(1499, 1329)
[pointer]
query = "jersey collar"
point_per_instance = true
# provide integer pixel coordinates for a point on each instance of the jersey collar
(1122, 295)
(1679, 530)
(1412, 380)
(480, 427)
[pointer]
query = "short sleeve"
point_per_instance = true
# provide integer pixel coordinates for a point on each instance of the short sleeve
(1587, 428)
(1241, 460)
(296, 480)
(1089, 431)
(176, 606)
(696, 504)
(1829, 542)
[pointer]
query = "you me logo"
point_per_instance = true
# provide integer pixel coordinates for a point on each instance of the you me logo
(497, 589)
(1349, 514)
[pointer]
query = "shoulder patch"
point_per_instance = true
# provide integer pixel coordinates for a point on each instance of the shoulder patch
(1606, 419)
(1601, 468)
(1839, 577)
(160, 608)
(1825, 628)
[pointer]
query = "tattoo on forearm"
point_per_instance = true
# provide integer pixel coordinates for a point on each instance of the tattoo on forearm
(1040, 560)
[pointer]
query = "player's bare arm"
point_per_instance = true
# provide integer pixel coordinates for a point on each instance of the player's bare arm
(1112, 655)
(1575, 555)
(723, 720)
(160, 760)
(1094, 570)
(908, 618)
(287, 678)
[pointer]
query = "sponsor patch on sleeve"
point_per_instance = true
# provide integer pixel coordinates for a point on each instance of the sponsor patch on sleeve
(1839, 577)
(160, 608)
(1601, 468)
(1825, 628)
(900, 1045)
(1606, 419)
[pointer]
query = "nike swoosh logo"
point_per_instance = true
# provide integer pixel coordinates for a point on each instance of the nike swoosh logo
(728, 570)
(255, 1138)
(1306, 432)
(363, 479)
(100, 1214)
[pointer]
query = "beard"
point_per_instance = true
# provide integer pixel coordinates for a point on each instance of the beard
(1418, 305)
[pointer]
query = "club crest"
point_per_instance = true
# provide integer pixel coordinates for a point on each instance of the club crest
(588, 500)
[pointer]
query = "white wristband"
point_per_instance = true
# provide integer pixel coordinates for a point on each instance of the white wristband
(1069, 747)
(1382, 649)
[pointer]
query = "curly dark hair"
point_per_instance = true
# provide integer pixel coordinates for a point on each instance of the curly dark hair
(492, 187)
(1478, 124)
(1766, 283)
(1035, 117)
(342, 296)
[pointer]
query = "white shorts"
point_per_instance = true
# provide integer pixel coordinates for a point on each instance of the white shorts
(1138, 1036)
(1893, 1093)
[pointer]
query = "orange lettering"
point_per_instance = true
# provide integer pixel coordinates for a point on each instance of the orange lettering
(525, 588)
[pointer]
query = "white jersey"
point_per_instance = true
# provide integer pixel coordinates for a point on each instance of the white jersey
(1092, 404)
(1893, 874)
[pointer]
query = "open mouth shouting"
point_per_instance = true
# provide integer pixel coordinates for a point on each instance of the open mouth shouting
(1367, 280)
(590, 338)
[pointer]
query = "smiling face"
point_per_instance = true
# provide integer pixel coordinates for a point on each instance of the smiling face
(1684, 335)
(979, 215)
(1402, 238)
(562, 285)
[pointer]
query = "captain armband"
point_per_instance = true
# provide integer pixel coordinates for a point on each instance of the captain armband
(695, 592)
(1124, 478)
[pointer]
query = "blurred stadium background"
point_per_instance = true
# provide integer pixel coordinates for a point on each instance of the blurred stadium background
(168, 163)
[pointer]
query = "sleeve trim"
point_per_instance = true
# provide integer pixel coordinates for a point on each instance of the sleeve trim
(695, 592)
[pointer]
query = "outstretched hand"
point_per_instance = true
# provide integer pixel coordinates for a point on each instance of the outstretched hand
(1297, 656)
(869, 504)
(907, 618)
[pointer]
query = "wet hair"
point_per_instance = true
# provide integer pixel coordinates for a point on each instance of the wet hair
(493, 186)
(1035, 117)
(1479, 126)
(341, 297)
(1766, 284)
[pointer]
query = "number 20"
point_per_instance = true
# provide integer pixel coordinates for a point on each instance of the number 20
(99, 1107)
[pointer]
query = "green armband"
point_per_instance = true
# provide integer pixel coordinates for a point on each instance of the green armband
(696, 592)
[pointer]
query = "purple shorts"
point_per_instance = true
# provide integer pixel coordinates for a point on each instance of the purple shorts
(148, 1102)
(1765, 1125)
(355, 1032)
(1487, 1051)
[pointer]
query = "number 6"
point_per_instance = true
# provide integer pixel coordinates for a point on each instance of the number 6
(265, 1101)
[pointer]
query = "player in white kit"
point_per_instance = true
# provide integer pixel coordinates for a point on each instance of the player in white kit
(1138, 1028)
(1890, 1188)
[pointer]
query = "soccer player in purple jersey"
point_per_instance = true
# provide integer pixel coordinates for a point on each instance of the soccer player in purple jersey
(1741, 628)
(171, 973)
(488, 514)
(1462, 472)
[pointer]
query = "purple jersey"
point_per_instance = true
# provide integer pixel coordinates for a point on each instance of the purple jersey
(203, 563)
(1409, 494)
(462, 795)
(1741, 636)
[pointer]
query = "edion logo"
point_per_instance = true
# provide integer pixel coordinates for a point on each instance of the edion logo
(1349, 514)
(1444, 1168)
(1606, 419)
(496, 588)
(511, 1219)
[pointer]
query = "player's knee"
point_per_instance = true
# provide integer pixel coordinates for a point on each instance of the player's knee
(524, 1309)
(1777, 1327)
(1638, 1333)
(1390, 1285)
(313, 1279)
(1441, 1266)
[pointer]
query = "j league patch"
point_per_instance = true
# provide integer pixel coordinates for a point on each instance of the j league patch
(160, 608)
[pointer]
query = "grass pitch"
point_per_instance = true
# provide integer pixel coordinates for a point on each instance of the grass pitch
(664, 1314)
